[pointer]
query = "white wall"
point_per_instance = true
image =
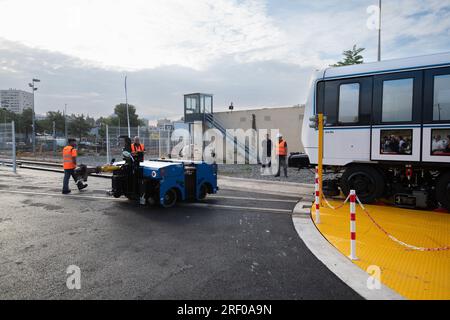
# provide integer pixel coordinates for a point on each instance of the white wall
(288, 120)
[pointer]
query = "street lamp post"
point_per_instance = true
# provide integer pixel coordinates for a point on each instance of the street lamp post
(33, 88)
(379, 32)
(128, 114)
(65, 123)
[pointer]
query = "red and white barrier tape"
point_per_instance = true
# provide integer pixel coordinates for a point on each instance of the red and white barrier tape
(411, 247)
(338, 207)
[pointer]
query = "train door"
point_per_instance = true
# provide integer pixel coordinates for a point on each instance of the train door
(436, 128)
(397, 117)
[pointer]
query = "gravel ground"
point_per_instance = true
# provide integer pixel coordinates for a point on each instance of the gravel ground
(254, 172)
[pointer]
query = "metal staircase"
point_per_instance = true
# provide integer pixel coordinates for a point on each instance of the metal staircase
(247, 151)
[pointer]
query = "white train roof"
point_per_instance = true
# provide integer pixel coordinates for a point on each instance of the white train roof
(388, 66)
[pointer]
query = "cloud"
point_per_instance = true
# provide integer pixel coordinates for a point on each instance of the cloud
(141, 34)
(321, 30)
(156, 92)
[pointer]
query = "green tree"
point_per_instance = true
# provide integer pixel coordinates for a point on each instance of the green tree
(79, 126)
(25, 122)
(121, 112)
(6, 116)
(58, 118)
(101, 123)
(46, 125)
(352, 56)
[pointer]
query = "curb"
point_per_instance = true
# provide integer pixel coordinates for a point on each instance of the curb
(266, 187)
(340, 265)
(281, 183)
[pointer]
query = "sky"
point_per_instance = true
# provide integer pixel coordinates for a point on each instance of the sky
(254, 53)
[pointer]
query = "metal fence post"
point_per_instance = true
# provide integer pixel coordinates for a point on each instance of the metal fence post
(13, 135)
(108, 154)
(168, 143)
(54, 139)
(159, 144)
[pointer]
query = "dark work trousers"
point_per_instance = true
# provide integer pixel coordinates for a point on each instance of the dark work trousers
(67, 174)
(282, 162)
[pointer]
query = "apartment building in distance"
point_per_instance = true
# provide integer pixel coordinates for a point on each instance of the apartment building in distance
(16, 100)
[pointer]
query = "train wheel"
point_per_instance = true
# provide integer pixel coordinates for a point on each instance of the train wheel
(443, 190)
(366, 181)
(170, 199)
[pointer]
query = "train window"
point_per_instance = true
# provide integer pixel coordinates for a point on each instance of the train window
(441, 100)
(349, 102)
(192, 105)
(397, 105)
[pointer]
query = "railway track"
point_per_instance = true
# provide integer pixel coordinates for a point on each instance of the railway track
(44, 166)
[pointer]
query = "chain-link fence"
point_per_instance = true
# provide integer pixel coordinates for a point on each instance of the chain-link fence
(7, 145)
(157, 142)
(48, 146)
(92, 151)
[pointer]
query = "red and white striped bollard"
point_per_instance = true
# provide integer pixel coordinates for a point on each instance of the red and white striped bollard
(353, 225)
(317, 198)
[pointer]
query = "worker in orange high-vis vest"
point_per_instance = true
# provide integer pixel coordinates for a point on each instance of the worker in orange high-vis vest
(282, 152)
(137, 146)
(70, 164)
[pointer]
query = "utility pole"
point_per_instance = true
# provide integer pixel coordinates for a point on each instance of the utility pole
(33, 116)
(54, 138)
(13, 134)
(108, 152)
(65, 123)
(379, 32)
(128, 114)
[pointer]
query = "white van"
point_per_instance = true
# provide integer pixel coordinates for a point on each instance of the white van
(387, 128)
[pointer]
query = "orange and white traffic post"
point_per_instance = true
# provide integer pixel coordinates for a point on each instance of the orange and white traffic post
(353, 225)
(317, 196)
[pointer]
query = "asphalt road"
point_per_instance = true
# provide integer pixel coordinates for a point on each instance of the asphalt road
(238, 245)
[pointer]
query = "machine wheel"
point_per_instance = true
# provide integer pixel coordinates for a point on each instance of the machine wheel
(170, 199)
(203, 192)
(116, 194)
(443, 190)
(368, 183)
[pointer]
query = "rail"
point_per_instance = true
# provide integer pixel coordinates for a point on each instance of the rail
(243, 149)
(44, 166)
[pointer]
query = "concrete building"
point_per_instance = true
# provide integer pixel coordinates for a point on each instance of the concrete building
(16, 100)
(165, 124)
(288, 120)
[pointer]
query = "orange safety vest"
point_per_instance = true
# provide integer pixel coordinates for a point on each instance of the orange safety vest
(282, 150)
(69, 153)
(140, 148)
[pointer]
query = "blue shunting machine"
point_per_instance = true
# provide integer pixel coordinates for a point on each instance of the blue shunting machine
(164, 182)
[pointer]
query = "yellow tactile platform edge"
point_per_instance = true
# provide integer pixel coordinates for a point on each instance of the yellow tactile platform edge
(413, 274)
